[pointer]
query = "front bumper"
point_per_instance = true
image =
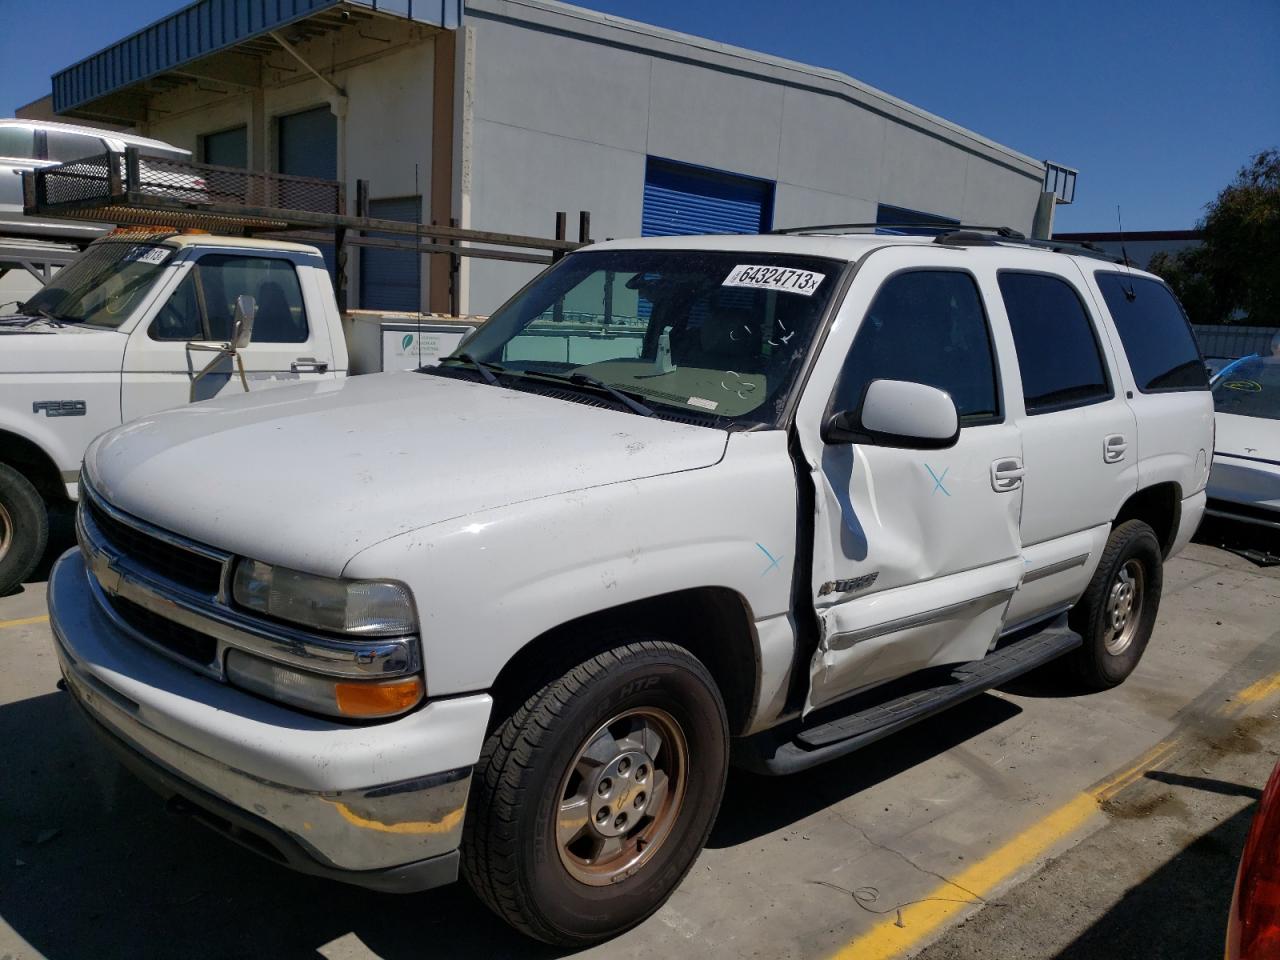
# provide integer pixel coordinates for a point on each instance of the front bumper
(381, 806)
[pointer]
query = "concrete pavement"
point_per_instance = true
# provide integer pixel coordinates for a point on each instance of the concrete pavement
(880, 854)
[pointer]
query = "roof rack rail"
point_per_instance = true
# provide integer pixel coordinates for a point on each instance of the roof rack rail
(970, 237)
(963, 235)
(940, 228)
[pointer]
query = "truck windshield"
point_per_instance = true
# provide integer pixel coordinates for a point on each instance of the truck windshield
(101, 285)
(1249, 388)
(685, 332)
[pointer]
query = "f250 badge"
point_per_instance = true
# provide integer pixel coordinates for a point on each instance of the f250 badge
(60, 408)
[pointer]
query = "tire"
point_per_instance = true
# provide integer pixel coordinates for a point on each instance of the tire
(24, 528)
(541, 878)
(1118, 610)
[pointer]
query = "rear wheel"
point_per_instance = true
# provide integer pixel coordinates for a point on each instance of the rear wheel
(1118, 610)
(24, 528)
(592, 800)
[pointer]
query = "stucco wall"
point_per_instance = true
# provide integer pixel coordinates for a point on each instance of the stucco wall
(565, 107)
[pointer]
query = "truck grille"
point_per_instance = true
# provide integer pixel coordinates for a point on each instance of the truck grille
(190, 569)
(174, 637)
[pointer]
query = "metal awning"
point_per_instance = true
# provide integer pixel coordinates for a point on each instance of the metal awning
(215, 39)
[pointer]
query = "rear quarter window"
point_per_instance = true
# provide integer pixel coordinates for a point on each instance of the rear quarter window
(1157, 338)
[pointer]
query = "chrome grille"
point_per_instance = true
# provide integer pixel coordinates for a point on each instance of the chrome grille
(201, 573)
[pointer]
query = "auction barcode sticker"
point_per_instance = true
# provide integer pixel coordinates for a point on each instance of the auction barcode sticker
(147, 254)
(786, 279)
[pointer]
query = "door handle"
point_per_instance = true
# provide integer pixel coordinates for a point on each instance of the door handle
(309, 365)
(1007, 474)
(1114, 448)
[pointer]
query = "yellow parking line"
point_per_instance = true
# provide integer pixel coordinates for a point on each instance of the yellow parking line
(23, 622)
(909, 926)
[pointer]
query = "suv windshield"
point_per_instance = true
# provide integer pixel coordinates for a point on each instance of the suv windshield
(713, 334)
(1249, 388)
(102, 284)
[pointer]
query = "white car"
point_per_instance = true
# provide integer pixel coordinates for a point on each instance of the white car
(1245, 482)
(515, 614)
(33, 144)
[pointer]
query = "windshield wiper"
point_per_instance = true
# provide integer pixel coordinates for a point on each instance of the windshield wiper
(483, 367)
(585, 380)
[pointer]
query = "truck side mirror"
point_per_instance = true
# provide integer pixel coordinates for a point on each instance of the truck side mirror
(898, 413)
(242, 321)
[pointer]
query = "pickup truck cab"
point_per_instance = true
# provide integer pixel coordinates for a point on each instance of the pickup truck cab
(122, 331)
(680, 502)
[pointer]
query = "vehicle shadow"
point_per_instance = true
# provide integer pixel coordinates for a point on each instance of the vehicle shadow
(1180, 911)
(91, 865)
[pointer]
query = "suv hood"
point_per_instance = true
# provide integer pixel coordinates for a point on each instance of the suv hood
(309, 475)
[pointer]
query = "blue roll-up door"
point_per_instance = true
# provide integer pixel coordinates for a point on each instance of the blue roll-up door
(681, 199)
(391, 279)
(307, 146)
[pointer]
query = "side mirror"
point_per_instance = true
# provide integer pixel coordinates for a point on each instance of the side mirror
(898, 413)
(242, 321)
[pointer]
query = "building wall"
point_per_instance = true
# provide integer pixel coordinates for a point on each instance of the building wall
(566, 105)
(386, 129)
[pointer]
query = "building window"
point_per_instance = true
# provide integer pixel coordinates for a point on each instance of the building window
(227, 148)
(901, 220)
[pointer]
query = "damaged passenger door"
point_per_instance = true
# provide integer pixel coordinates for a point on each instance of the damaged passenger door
(916, 544)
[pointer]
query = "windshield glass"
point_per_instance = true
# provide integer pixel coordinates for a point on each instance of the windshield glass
(1250, 388)
(102, 284)
(684, 331)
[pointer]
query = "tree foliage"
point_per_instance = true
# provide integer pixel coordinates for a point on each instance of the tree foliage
(1234, 276)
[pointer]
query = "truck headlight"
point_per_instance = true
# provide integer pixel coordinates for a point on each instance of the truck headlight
(363, 608)
(357, 699)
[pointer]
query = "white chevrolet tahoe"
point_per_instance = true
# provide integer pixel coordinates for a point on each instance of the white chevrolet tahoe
(123, 331)
(681, 502)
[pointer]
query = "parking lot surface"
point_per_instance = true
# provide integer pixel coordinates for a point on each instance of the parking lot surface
(1034, 821)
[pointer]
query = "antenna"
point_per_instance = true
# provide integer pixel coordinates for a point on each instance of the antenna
(418, 256)
(1131, 294)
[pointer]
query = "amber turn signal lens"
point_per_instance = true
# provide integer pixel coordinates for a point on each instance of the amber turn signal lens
(377, 699)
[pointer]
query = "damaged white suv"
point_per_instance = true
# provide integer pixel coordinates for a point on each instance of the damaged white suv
(681, 502)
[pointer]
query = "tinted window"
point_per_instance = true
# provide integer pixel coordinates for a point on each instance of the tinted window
(1058, 352)
(926, 326)
(272, 282)
(63, 146)
(18, 142)
(1162, 351)
(1250, 388)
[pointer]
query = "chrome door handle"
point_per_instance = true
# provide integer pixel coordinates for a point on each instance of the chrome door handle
(309, 365)
(1114, 448)
(1007, 474)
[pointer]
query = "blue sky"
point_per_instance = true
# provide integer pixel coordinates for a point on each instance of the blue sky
(1157, 103)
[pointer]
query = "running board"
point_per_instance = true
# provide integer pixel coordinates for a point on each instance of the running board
(769, 753)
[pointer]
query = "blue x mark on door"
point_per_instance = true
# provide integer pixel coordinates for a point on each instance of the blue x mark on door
(937, 479)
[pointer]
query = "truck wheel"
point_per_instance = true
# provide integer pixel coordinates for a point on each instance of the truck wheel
(1118, 610)
(24, 528)
(592, 800)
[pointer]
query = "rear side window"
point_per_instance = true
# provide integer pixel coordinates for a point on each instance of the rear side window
(17, 142)
(926, 326)
(63, 146)
(1162, 351)
(1058, 352)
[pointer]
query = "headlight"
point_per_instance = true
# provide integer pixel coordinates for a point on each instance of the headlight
(360, 699)
(363, 608)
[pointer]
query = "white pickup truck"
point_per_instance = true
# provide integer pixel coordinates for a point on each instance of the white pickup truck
(517, 613)
(121, 332)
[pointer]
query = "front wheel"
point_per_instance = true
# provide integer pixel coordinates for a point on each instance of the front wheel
(1118, 610)
(592, 800)
(24, 528)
